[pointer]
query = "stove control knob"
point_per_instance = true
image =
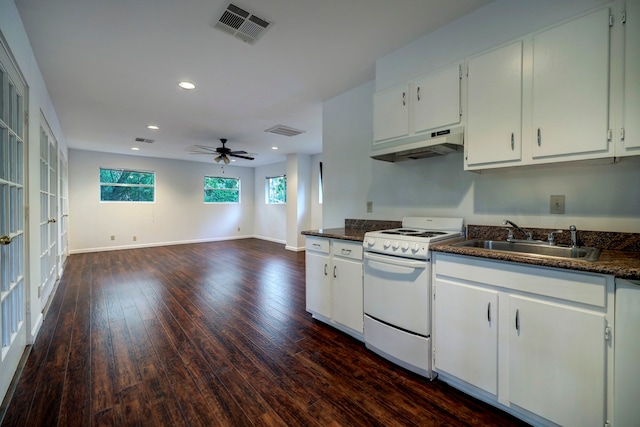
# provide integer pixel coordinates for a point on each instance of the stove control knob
(396, 245)
(415, 247)
(387, 243)
(370, 241)
(405, 246)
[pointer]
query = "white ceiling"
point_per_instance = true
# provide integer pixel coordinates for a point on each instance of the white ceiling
(112, 67)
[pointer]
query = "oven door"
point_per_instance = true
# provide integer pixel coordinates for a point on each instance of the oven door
(397, 292)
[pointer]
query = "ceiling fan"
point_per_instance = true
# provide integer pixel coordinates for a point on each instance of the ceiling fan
(222, 153)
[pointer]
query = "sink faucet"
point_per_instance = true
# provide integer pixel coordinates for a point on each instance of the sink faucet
(526, 233)
(574, 242)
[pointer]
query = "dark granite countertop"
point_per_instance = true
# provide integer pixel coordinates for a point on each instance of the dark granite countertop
(620, 256)
(622, 264)
(355, 234)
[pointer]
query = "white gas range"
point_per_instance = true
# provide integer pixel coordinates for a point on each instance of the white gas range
(397, 289)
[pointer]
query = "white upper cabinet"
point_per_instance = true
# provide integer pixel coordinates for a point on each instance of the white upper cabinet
(571, 87)
(629, 134)
(494, 96)
(412, 108)
(391, 113)
(436, 100)
(557, 95)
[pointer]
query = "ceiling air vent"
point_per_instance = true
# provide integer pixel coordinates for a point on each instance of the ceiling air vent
(284, 130)
(241, 24)
(147, 140)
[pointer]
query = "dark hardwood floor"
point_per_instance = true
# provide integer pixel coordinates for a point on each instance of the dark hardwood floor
(212, 334)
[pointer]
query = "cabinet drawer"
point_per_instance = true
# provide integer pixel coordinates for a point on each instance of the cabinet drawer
(346, 249)
(317, 244)
(568, 285)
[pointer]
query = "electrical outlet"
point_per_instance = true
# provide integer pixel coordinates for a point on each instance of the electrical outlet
(113, 237)
(238, 228)
(135, 238)
(556, 205)
(369, 206)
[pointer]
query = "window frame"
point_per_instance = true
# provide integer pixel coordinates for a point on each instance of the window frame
(205, 189)
(129, 185)
(268, 187)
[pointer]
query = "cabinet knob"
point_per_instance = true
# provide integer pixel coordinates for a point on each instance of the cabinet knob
(539, 138)
(404, 98)
(418, 93)
(513, 142)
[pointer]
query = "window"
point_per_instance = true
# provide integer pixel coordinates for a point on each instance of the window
(276, 190)
(221, 190)
(320, 189)
(125, 185)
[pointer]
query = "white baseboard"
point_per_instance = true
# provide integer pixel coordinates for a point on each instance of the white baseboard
(156, 244)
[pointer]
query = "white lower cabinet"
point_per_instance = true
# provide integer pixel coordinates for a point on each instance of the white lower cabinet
(334, 275)
(534, 341)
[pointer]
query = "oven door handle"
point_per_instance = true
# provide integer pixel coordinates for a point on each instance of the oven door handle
(393, 264)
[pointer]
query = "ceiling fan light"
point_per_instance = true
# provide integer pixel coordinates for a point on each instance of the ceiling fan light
(226, 160)
(217, 159)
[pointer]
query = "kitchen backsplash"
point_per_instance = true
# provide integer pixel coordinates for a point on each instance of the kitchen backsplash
(371, 224)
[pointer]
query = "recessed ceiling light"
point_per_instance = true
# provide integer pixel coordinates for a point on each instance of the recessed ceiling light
(187, 85)
(274, 148)
(152, 127)
(135, 148)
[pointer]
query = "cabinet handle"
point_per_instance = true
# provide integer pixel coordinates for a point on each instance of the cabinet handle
(418, 93)
(518, 320)
(539, 138)
(334, 272)
(325, 269)
(404, 98)
(513, 142)
(316, 245)
(489, 312)
(5, 240)
(346, 251)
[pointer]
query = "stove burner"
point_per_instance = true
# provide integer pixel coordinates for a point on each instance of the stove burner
(410, 232)
(430, 234)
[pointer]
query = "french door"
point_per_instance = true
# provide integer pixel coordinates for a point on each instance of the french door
(48, 213)
(63, 210)
(13, 334)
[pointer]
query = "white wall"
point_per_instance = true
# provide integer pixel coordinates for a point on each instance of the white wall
(179, 214)
(270, 220)
(603, 197)
(39, 104)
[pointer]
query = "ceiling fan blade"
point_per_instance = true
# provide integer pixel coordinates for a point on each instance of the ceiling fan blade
(202, 149)
(240, 156)
(238, 152)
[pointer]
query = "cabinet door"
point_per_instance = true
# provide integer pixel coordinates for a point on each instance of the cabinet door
(571, 87)
(494, 117)
(632, 78)
(318, 283)
(347, 293)
(557, 361)
(436, 100)
(391, 113)
(466, 333)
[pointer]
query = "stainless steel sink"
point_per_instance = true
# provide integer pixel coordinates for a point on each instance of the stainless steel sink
(540, 249)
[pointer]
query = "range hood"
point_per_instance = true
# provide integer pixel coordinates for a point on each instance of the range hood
(430, 144)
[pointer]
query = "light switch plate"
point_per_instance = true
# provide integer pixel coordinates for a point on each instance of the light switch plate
(556, 205)
(369, 206)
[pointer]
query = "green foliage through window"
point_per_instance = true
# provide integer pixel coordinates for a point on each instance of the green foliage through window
(221, 190)
(125, 185)
(276, 189)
